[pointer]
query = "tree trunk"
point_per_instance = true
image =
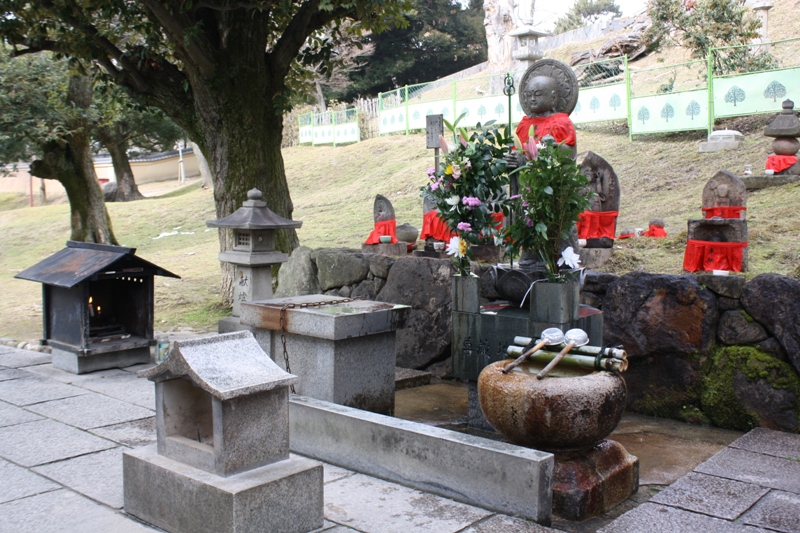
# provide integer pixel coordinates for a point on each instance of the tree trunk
(113, 139)
(202, 163)
(70, 162)
(240, 129)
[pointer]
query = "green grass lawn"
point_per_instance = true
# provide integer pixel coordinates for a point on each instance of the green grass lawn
(333, 190)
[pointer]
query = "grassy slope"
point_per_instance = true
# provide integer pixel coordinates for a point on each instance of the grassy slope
(333, 190)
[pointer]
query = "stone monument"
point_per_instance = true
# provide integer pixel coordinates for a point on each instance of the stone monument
(785, 128)
(222, 461)
(383, 238)
(598, 224)
(719, 240)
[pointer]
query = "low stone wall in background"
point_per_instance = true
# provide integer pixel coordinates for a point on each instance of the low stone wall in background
(704, 349)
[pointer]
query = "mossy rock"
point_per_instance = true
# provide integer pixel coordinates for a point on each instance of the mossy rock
(746, 388)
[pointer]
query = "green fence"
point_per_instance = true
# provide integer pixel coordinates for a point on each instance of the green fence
(731, 81)
(332, 127)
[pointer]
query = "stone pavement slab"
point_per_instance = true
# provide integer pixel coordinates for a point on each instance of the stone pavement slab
(91, 410)
(20, 482)
(508, 524)
(96, 475)
(333, 473)
(113, 382)
(750, 467)
(63, 511)
(12, 373)
(711, 495)
(656, 518)
(365, 504)
(777, 443)
(778, 510)
(131, 434)
(13, 358)
(34, 389)
(11, 415)
(44, 441)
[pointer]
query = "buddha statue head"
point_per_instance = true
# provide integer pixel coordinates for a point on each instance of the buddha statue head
(541, 96)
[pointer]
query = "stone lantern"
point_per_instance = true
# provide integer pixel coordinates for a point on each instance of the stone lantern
(253, 253)
(222, 461)
(527, 51)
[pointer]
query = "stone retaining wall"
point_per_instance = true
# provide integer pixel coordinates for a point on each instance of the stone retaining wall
(703, 348)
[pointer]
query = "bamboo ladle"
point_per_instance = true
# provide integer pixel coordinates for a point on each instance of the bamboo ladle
(574, 337)
(549, 337)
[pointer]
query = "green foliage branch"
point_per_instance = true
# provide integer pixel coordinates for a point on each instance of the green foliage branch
(585, 12)
(551, 199)
(468, 187)
(709, 24)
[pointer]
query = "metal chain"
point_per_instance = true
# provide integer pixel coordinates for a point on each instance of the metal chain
(302, 306)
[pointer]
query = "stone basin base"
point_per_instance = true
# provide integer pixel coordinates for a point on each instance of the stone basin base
(589, 483)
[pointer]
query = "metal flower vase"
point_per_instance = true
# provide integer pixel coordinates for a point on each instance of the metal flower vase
(466, 293)
(555, 303)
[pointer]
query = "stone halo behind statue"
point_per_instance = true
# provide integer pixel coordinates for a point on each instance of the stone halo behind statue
(566, 81)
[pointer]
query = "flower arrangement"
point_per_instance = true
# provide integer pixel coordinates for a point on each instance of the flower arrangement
(550, 200)
(468, 188)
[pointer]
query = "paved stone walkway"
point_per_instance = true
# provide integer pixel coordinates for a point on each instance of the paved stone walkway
(62, 437)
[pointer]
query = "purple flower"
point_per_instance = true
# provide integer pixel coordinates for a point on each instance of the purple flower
(456, 173)
(431, 171)
(434, 185)
(471, 201)
(515, 197)
(528, 222)
(525, 204)
(464, 226)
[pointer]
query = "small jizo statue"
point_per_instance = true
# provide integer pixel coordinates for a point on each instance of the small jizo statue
(548, 94)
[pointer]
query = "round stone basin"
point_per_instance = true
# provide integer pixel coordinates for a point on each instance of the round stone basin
(570, 409)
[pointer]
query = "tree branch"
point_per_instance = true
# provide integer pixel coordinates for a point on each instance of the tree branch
(307, 20)
(77, 19)
(178, 32)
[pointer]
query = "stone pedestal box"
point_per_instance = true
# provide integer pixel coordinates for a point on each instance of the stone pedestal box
(343, 353)
(222, 461)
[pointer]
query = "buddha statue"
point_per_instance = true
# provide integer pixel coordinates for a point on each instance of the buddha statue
(549, 92)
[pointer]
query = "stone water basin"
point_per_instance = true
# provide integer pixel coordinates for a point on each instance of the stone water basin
(570, 409)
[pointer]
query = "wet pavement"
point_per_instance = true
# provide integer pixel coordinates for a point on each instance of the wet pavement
(62, 437)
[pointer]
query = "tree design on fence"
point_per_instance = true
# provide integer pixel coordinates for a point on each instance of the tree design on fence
(499, 109)
(415, 116)
(735, 94)
(693, 109)
(643, 114)
(577, 107)
(465, 112)
(667, 112)
(594, 104)
(615, 101)
(775, 90)
(429, 112)
(481, 111)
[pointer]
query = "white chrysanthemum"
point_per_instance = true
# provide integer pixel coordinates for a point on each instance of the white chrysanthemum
(569, 258)
(457, 247)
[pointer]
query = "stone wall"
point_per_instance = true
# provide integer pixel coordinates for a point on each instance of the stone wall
(702, 348)
(706, 349)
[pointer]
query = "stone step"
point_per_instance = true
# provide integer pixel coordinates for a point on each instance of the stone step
(407, 378)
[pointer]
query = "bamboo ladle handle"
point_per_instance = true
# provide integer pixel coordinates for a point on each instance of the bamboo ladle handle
(555, 361)
(512, 365)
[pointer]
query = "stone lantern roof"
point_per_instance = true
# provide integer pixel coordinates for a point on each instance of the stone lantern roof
(225, 366)
(254, 215)
(785, 124)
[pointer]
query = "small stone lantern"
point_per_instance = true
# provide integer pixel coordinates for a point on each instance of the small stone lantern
(253, 254)
(222, 461)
